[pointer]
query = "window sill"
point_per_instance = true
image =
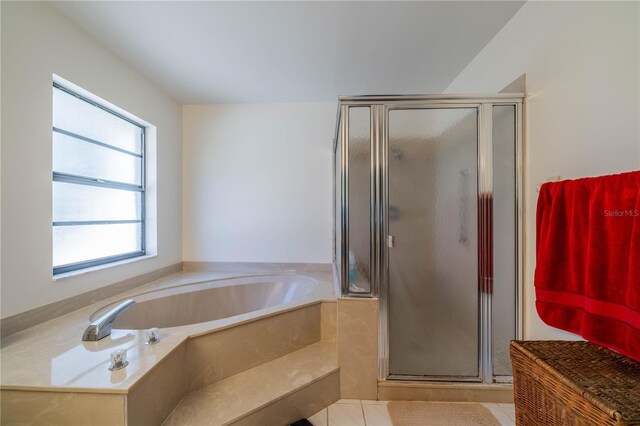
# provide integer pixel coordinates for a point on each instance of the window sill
(72, 274)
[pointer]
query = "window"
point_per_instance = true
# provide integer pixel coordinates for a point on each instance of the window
(98, 184)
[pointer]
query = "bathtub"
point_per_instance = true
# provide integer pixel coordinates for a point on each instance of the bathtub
(210, 300)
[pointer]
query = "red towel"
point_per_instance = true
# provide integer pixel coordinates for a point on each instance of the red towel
(587, 275)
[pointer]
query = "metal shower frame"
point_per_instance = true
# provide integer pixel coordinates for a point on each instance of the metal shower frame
(379, 110)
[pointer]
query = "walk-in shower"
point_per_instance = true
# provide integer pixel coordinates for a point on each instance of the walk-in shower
(427, 210)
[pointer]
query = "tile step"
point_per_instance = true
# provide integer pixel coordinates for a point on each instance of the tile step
(236, 397)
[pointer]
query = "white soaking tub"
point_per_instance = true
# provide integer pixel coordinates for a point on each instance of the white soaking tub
(208, 301)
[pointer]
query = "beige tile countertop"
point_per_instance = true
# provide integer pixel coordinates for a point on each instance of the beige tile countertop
(52, 356)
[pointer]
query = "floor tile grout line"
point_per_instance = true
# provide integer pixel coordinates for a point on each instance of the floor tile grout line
(499, 405)
(328, 414)
(508, 413)
(502, 410)
(364, 418)
(499, 410)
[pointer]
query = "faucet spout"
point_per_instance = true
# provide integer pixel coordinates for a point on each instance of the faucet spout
(101, 327)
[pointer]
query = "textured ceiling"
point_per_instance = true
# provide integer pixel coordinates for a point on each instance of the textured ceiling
(224, 52)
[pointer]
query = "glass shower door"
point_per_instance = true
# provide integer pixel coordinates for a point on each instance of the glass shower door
(432, 243)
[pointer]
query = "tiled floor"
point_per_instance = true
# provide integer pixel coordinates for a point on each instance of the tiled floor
(353, 412)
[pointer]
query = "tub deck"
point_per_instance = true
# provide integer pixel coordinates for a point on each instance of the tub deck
(51, 357)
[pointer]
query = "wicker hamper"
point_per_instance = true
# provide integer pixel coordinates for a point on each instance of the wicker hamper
(574, 383)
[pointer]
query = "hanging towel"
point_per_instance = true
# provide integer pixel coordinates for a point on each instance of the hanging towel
(587, 276)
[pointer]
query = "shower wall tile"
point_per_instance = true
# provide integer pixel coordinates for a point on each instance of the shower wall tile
(215, 356)
(61, 408)
(358, 348)
(329, 321)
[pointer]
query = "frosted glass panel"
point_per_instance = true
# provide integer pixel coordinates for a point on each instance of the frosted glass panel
(504, 236)
(77, 116)
(359, 199)
(73, 202)
(433, 266)
(73, 244)
(77, 157)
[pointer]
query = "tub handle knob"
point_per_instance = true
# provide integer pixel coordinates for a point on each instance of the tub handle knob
(151, 336)
(118, 359)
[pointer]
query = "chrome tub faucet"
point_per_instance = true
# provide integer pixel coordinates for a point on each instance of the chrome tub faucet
(101, 327)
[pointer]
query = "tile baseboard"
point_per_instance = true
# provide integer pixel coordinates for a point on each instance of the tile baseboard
(33, 317)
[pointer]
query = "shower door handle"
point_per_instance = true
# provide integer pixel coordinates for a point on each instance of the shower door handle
(390, 241)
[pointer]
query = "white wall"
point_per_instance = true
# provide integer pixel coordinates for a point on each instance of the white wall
(257, 182)
(37, 42)
(582, 65)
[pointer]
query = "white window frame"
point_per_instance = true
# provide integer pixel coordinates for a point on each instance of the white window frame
(102, 183)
